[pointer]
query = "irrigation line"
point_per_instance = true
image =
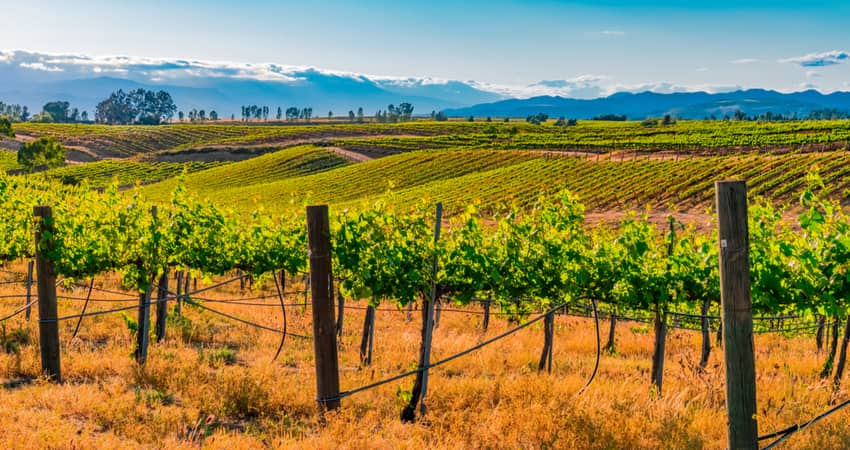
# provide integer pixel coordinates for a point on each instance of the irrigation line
(13, 282)
(108, 291)
(598, 351)
(283, 310)
(246, 322)
(13, 296)
(18, 311)
(789, 431)
(239, 302)
(350, 392)
(217, 285)
(89, 314)
(98, 300)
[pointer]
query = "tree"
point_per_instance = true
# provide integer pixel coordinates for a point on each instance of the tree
(213, 115)
(330, 115)
(537, 119)
(405, 111)
(202, 115)
(44, 151)
(351, 116)
(279, 113)
(85, 116)
(138, 106)
(360, 114)
(6, 127)
(59, 111)
(441, 116)
(292, 113)
(180, 115)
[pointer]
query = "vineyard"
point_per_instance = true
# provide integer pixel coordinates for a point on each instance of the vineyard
(689, 137)
(494, 178)
(180, 307)
(537, 263)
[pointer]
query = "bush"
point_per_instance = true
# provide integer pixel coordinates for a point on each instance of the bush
(649, 122)
(537, 119)
(45, 151)
(6, 127)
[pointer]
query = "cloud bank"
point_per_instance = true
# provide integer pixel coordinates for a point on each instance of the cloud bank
(819, 59)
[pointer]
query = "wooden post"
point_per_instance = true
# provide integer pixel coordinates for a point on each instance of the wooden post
(178, 298)
(161, 306)
(324, 326)
(29, 289)
(144, 324)
(340, 312)
(737, 314)
(486, 322)
(48, 326)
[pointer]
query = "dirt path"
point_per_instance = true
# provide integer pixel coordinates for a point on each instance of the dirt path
(350, 155)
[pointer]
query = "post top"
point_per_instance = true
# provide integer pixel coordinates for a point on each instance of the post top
(42, 210)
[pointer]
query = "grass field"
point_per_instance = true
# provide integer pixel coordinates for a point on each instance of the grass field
(212, 381)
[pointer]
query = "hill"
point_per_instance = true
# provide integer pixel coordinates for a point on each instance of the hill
(688, 105)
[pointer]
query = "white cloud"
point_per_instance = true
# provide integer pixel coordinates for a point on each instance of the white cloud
(812, 74)
(830, 58)
(613, 33)
(702, 69)
(808, 86)
(41, 66)
(744, 61)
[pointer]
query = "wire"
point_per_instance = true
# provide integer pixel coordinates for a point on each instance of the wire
(89, 314)
(440, 362)
(789, 431)
(18, 311)
(246, 322)
(598, 351)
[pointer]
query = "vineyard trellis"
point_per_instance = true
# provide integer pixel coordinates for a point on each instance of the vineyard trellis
(526, 261)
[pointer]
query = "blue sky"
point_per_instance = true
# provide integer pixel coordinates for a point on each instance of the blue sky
(592, 47)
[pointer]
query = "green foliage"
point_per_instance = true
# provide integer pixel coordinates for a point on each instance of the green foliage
(6, 128)
(41, 152)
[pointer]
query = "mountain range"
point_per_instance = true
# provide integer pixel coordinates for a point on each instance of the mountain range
(33, 79)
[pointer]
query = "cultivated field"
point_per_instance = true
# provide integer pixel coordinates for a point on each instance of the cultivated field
(533, 216)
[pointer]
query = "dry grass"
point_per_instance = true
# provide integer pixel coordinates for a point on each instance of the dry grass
(193, 393)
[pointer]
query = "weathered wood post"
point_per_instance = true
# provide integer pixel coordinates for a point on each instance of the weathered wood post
(48, 326)
(486, 321)
(29, 289)
(161, 306)
(737, 315)
(324, 326)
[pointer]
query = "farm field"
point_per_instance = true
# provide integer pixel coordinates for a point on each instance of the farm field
(588, 136)
(533, 217)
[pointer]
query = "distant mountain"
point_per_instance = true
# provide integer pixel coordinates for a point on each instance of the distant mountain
(688, 105)
(34, 79)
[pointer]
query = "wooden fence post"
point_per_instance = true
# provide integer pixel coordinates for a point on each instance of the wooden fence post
(29, 289)
(324, 326)
(48, 326)
(161, 306)
(486, 322)
(737, 314)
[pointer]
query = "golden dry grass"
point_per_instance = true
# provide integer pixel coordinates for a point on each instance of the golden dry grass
(190, 395)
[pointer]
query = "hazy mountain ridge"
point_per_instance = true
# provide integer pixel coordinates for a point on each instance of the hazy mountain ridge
(689, 105)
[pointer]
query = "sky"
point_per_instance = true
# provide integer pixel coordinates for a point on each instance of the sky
(587, 48)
